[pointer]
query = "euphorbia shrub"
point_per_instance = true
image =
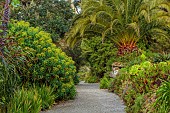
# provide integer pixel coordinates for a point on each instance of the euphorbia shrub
(46, 64)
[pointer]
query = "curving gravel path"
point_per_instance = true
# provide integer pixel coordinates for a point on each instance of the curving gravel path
(90, 99)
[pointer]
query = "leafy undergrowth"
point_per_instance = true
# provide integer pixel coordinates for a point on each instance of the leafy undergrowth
(31, 100)
(144, 86)
(46, 64)
(34, 72)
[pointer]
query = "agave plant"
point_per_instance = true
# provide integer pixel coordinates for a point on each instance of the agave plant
(124, 21)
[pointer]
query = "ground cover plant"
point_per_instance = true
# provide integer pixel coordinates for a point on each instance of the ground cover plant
(162, 102)
(135, 83)
(31, 100)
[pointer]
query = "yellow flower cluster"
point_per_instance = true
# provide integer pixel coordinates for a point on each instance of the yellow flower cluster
(21, 23)
(41, 55)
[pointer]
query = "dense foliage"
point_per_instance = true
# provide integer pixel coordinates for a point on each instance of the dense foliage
(30, 60)
(163, 98)
(54, 16)
(138, 82)
(98, 55)
(34, 72)
(31, 100)
(125, 22)
(47, 63)
(8, 83)
(75, 53)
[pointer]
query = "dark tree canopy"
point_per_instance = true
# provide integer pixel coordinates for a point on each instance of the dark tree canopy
(53, 16)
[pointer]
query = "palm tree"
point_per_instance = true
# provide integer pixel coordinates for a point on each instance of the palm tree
(123, 21)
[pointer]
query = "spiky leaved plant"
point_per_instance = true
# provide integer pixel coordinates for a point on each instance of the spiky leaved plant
(163, 98)
(126, 43)
(8, 74)
(144, 19)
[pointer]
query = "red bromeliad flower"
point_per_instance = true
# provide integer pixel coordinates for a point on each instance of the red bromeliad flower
(126, 43)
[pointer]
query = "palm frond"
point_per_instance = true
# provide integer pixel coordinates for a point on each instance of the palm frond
(89, 3)
(79, 25)
(144, 12)
(124, 20)
(157, 32)
(135, 26)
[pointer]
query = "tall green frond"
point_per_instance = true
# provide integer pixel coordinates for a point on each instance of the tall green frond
(135, 26)
(89, 3)
(114, 18)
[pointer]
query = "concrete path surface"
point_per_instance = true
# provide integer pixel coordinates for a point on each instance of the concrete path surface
(90, 99)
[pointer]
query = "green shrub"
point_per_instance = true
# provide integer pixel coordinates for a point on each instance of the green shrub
(25, 101)
(91, 79)
(75, 53)
(32, 100)
(147, 75)
(47, 96)
(161, 44)
(136, 108)
(161, 57)
(68, 91)
(116, 84)
(83, 72)
(46, 64)
(162, 103)
(8, 84)
(139, 79)
(110, 84)
(98, 55)
(76, 79)
(11, 62)
(104, 82)
(54, 16)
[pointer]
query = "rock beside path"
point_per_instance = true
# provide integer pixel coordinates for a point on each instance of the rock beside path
(90, 99)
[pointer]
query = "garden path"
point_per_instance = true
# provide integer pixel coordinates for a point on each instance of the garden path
(90, 99)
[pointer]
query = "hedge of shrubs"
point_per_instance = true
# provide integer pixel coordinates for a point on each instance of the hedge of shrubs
(98, 57)
(143, 86)
(47, 63)
(44, 73)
